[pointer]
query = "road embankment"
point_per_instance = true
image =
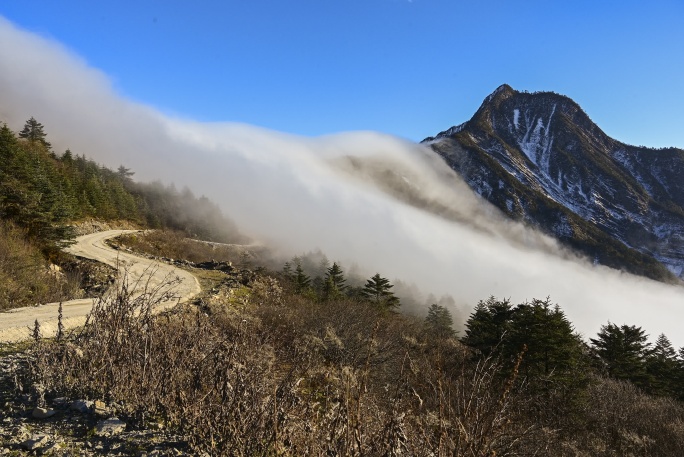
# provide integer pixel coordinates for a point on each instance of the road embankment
(17, 324)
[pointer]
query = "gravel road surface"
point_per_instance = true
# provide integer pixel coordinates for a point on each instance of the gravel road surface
(17, 324)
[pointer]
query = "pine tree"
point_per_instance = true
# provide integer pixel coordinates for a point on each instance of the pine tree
(439, 322)
(7, 144)
(679, 376)
(287, 270)
(488, 325)
(68, 157)
(125, 175)
(623, 351)
(33, 131)
(302, 280)
(548, 336)
(377, 290)
(334, 283)
(662, 366)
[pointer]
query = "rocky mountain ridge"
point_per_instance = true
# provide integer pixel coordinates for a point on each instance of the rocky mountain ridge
(539, 158)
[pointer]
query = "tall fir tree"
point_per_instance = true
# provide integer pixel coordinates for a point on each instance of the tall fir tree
(623, 350)
(334, 283)
(378, 290)
(552, 346)
(439, 322)
(302, 281)
(33, 131)
(663, 368)
(489, 323)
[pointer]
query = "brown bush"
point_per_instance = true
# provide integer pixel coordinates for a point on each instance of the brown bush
(176, 245)
(274, 373)
(25, 278)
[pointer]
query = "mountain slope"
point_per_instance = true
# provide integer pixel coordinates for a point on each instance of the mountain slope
(539, 158)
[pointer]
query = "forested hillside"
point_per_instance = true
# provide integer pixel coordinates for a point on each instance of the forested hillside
(43, 193)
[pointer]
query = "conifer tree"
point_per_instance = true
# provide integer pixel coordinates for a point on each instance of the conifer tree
(662, 366)
(489, 323)
(439, 322)
(33, 131)
(334, 283)
(377, 290)
(287, 270)
(7, 143)
(623, 351)
(548, 336)
(125, 175)
(302, 280)
(679, 376)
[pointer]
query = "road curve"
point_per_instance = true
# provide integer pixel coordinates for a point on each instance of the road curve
(17, 324)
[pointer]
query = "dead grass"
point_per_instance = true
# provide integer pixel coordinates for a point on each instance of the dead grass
(175, 245)
(25, 277)
(267, 372)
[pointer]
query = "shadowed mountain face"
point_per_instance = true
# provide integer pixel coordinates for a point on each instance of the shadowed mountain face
(539, 158)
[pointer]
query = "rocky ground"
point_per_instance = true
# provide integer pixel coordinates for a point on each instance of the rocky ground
(94, 277)
(33, 423)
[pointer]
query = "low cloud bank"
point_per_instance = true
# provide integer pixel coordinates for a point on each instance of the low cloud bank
(385, 204)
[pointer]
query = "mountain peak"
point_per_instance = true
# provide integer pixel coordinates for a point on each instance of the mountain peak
(539, 158)
(503, 91)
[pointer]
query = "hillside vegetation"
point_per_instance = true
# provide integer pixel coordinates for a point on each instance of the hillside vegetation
(274, 366)
(42, 194)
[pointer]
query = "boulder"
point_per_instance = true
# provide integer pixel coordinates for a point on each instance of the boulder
(35, 442)
(82, 406)
(43, 413)
(110, 427)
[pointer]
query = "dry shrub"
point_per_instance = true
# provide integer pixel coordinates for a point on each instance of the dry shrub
(176, 245)
(278, 374)
(284, 375)
(25, 278)
(624, 421)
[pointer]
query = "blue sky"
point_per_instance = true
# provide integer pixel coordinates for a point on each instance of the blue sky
(409, 68)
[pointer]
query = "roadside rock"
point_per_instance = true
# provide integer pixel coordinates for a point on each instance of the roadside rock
(110, 427)
(35, 442)
(82, 406)
(43, 413)
(95, 277)
(100, 408)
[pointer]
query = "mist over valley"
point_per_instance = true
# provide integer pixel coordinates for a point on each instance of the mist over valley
(365, 198)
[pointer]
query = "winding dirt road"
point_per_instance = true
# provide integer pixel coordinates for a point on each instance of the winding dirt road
(17, 324)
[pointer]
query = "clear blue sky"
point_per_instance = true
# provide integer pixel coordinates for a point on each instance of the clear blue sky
(410, 68)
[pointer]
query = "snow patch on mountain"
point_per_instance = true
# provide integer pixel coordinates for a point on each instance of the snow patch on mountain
(537, 141)
(545, 142)
(445, 134)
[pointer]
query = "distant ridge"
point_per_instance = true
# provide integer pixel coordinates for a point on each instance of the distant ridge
(539, 158)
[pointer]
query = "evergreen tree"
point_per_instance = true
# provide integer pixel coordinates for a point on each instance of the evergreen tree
(334, 284)
(302, 280)
(287, 270)
(489, 323)
(33, 131)
(439, 322)
(7, 144)
(125, 174)
(679, 376)
(377, 290)
(68, 157)
(623, 351)
(662, 366)
(552, 347)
